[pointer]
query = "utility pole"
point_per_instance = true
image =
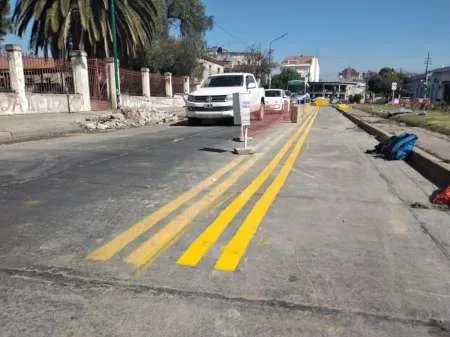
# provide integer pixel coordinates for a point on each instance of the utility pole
(427, 65)
(270, 57)
(115, 50)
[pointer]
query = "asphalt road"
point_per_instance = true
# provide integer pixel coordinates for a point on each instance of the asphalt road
(164, 232)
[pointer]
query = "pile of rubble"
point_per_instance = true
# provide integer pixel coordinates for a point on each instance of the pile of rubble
(131, 118)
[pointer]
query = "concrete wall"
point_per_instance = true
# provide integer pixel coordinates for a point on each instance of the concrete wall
(147, 103)
(136, 102)
(39, 103)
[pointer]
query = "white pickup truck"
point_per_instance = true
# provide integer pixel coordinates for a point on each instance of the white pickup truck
(214, 99)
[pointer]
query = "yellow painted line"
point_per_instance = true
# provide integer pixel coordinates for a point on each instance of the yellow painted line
(236, 247)
(198, 249)
(108, 250)
(157, 243)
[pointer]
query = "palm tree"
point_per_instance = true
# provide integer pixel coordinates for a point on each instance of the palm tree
(84, 25)
(4, 20)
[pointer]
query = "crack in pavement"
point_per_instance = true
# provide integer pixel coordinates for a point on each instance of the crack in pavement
(67, 277)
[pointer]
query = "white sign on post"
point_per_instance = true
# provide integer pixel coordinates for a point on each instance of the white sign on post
(241, 108)
(394, 86)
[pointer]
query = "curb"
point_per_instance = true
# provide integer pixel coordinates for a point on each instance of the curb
(424, 163)
(13, 139)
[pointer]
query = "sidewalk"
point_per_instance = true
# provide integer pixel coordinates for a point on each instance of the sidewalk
(18, 128)
(432, 142)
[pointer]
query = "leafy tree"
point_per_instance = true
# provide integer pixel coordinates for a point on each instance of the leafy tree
(180, 57)
(191, 16)
(255, 62)
(357, 98)
(281, 80)
(84, 25)
(4, 20)
(381, 83)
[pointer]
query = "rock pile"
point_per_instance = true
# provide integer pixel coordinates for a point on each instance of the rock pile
(130, 118)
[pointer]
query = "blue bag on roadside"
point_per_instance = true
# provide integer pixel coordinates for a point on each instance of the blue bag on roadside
(396, 147)
(401, 147)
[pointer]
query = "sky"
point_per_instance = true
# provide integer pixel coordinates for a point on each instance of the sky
(364, 34)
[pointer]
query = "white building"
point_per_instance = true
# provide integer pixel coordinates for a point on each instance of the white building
(210, 67)
(438, 86)
(232, 59)
(339, 90)
(307, 66)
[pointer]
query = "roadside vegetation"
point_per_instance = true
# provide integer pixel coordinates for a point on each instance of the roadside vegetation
(166, 35)
(4, 20)
(436, 118)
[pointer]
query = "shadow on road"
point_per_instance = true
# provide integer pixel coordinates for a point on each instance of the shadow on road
(215, 150)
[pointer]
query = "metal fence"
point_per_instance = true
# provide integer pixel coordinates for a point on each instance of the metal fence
(178, 85)
(47, 75)
(98, 85)
(5, 81)
(131, 82)
(157, 85)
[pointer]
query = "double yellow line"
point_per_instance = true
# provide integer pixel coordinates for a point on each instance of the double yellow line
(235, 249)
(168, 234)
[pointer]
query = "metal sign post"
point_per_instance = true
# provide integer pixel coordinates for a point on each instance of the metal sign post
(242, 107)
(394, 87)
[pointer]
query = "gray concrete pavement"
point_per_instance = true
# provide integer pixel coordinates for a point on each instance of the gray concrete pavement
(340, 252)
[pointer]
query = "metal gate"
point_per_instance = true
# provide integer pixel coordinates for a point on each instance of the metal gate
(99, 85)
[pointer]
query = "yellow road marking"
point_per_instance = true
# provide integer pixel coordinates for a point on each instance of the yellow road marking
(236, 247)
(108, 250)
(150, 249)
(196, 251)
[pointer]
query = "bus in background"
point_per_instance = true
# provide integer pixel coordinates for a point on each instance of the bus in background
(299, 91)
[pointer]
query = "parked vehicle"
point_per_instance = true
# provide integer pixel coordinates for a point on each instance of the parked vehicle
(277, 100)
(214, 99)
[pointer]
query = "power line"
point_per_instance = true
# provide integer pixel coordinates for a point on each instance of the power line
(231, 34)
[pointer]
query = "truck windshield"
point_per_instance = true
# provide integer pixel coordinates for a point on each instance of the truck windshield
(273, 93)
(224, 81)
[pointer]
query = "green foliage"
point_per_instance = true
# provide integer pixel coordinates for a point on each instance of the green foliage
(381, 83)
(357, 98)
(281, 80)
(190, 15)
(4, 20)
(180, 57)
(84, 25)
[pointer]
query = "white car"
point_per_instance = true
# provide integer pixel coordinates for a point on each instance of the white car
(214, 99)
(277, 100)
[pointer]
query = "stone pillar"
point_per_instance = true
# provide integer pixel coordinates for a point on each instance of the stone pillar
(81, 77)
(112, 83)
(16, 75)
(169, 90)
(186, 84)
(145, 82)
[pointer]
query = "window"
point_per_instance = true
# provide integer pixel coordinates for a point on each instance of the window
(249, 79)
(218, 70)
(224, 81)
(273, 93)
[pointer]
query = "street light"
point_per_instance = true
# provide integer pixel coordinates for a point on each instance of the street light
(115, 50)
(270, 57)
